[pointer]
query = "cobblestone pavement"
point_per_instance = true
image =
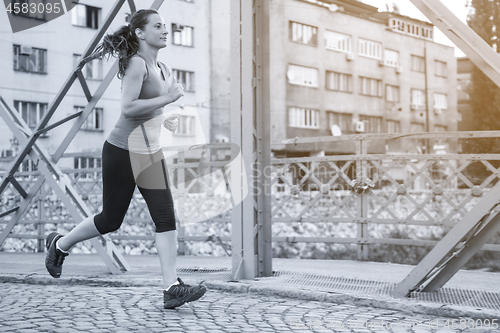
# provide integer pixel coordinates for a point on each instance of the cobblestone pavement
(70, 308)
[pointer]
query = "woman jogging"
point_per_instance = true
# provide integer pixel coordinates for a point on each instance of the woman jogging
(132, 155)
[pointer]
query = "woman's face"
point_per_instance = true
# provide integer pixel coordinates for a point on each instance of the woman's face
(155, 32)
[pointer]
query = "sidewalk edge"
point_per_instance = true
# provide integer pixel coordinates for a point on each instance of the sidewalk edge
(244, 286)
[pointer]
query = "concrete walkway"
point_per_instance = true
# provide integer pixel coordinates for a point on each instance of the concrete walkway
(301, 280)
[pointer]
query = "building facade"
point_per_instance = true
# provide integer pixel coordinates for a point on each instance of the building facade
(340, 66)
(36, 62)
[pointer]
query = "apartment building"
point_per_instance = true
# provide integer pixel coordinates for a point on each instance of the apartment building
(343, 65)
(36, 62)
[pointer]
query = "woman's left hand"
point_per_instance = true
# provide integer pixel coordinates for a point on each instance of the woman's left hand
(171, 123)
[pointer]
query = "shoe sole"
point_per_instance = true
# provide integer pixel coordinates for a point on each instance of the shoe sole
(177, 302)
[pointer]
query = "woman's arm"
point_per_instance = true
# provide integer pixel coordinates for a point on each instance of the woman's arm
(132, 106)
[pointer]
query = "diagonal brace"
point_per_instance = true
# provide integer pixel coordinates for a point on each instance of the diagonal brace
(47, 173)
(420, 273)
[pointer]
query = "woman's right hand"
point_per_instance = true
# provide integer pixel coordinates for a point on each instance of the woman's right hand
(175, 91)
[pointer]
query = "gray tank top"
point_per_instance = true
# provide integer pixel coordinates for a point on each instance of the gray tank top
(142, 134)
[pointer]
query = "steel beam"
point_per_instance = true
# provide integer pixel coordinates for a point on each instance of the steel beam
(250, 128)
(236, 173)
(492, 225)
(263, 109)
(421, 272)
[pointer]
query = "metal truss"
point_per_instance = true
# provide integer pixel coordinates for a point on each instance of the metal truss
(250, 129)
(476, 227)
(49, 169)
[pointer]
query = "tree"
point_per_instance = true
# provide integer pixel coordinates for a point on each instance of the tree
(484, 19)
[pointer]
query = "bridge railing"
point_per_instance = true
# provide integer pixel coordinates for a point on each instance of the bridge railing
(365, 198)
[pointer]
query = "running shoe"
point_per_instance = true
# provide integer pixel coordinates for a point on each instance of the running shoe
(55, 257)
(181, 293)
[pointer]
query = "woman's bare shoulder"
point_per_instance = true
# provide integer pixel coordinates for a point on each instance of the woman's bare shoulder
(137, 67)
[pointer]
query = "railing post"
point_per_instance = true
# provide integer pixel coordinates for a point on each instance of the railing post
(40, 224)
(181, 189)
(362, 214)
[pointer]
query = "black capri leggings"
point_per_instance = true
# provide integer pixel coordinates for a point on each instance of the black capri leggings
(119, 178)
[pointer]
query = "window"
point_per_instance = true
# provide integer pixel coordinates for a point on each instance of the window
(410, 28)
(85, 16)
(338, 81)
(7, 153)
(393, 126)
(337, 41)
(183, 35)
(94, 120)
(31, 112)
(392, 93)
(440, 68)
(186, 126)
(185, 78)
(370, 87)
(87, 163)
(30, 8)
(391, 58)
(417, 99)
(398, 25)
(417, 64)
(92, 70)
(30, 59)
(303, 33)
(27, 166)
(370, 49)
(440, 101)
(303, 118)
(303, 76)
(342, 120)
(372, 124)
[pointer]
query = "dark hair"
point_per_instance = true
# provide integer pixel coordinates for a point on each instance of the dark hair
(124, 42)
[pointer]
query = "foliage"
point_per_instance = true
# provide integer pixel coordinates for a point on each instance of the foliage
(484, 19)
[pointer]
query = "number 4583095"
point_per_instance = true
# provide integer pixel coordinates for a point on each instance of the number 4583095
(33, 8)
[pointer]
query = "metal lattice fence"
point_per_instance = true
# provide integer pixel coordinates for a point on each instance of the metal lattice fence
(359, 199)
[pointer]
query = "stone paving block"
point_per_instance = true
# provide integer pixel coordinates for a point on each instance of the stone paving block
(24, 325)
(99, 330)
(28, 330)
(216, 312)
(65, 330)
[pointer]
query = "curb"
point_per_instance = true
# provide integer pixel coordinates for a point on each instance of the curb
(407, 306)
(404, 305)
(41, 280)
